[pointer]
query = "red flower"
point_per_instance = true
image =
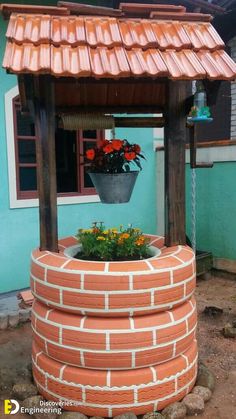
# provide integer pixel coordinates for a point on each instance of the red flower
(130, 155)
(102, 143)
(90, 154)
(117, 144)
(108, 148)
(137, 148)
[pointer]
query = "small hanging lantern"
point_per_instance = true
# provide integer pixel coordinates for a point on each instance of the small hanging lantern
(200, 112)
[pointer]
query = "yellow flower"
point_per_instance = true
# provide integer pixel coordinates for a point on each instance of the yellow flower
(101, 238)
(125, 235)
(140, 241)
(105, 232)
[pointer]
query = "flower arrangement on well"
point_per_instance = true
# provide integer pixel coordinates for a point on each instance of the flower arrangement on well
(113, 244)
(113, 156)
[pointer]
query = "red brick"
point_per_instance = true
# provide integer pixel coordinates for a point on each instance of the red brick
(53, 259)
(173, 367)
(190, 286)
(85, 376)
(65, 390)
(155, 392)
(171, 333)
(63, 279)
(37, 271)
(108, 360)
(169, 295)
(134, 377)
(84, 339)
(68, 241)
(128, 266)
(84, 300)
(110, 397)
(152, 320)
(184, 343)
(153, 356)
(40, 309)
(65, 355)
(39, 377)
(49, 365)
(185, 379)
(183, 273)
(48, 331)
(82, 265)
(47, 293)
(151, 281)
(106, 282)
(165, 262)
(131, 340)
(130, 300)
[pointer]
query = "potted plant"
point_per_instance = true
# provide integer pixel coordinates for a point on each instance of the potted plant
(109, 166)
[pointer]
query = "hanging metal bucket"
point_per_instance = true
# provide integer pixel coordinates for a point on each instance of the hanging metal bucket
(114, 188)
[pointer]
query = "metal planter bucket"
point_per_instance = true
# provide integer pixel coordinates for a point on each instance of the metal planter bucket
(114, 188)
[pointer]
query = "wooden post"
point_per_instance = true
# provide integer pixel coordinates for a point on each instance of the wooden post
(175, 140)
(44, 107)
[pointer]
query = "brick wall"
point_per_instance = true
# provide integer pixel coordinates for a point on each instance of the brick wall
(232, 45)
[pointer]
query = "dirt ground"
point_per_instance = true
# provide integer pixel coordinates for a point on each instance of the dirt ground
(217, 352)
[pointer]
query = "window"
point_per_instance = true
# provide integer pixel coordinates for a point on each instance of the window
(72, 178)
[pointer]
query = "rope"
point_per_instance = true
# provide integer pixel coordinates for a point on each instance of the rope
(113, 132)
(193, 207)
(73, 122)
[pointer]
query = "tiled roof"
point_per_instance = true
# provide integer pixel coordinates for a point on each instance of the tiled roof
(114, 47)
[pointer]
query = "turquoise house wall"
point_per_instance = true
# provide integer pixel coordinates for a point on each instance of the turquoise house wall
(19, 227)
(216, 209)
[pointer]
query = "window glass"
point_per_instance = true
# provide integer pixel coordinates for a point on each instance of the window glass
(66, 161)
(25, 125)
(28, 180)
(90, 134)
(26, 151)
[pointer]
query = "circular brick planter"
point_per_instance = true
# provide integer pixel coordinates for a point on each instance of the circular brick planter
(114, 288)
(94, 342)
(112, 337)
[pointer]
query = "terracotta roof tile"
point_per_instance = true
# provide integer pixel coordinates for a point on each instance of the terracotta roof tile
(67, 31)
(102, 32)
(70, 61)
(147, 62)
(29, 28)
(218, 65)
(203, 36)
(183, 64)
(170, 35)
(109, 62)
(87, 46)
(27, 58)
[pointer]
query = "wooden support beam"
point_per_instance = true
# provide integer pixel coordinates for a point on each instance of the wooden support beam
(46, 161)
(140, 122)
(174, 141)
(110, 109)
(193, 150)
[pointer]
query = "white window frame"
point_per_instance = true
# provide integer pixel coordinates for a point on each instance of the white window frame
(14, 201)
